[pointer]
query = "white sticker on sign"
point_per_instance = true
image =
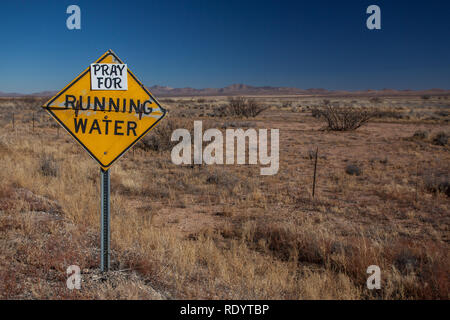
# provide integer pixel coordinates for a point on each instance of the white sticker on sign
(109, 76)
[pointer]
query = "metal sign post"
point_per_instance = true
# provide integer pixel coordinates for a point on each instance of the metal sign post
(105, 220)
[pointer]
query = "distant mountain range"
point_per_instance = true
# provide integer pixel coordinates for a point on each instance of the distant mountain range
(242, 89)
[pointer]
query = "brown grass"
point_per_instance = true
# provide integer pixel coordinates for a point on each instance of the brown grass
(209, 232)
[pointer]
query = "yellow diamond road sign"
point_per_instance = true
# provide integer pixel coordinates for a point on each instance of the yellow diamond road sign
(106, 109)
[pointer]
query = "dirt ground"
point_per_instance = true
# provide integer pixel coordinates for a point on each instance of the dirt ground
(225, 231)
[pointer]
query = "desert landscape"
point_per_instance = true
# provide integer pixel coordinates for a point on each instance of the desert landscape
(224, 231)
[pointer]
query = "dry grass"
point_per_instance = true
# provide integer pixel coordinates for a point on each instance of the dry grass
(208, 232)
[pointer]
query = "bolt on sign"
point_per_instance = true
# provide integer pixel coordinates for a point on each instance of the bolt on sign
(106, 109)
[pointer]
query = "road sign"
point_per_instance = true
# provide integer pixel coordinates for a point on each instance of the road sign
(106, 109)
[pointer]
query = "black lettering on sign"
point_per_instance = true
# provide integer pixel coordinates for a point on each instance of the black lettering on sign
(115, 83)
(121, 67)
(96, 68)
(108, 104)
(80, 124)
(106, 125)
(107, 76)
(105, 70)
(117, 128)
(97, 103)
(136, 108)
(95, 126)
(114, 105)
(70, 100)
(131, 126)
(149, 109)
(102, 127)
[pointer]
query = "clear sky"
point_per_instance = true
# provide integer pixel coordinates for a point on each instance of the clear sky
(215, 43)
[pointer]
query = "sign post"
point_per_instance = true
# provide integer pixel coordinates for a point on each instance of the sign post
(107, 110)
(105, 220)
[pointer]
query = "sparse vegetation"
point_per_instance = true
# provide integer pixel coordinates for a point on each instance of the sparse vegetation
(208, 232)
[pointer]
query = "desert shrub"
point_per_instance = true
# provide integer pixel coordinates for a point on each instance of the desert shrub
(153, 190)
(440, 139)
(353, 169)
(235, 124)
(159, 138)
(344, 118)
(222, 179)
(286, 104)
(240, 107)
(287, 243)
(315, 112)
(311, 154)
(391, 114)
(406, 260)
(420, 134)
(376, 100)
(168, 100)
(442, 113)
(435, 182)
(48, 166)
(3, 148)
(426, 97)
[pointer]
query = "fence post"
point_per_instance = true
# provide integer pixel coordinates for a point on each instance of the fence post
(315, 169)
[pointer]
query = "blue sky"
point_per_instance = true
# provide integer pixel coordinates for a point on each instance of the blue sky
(304, 44)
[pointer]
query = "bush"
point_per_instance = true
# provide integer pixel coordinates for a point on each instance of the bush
(376, 100)
(223, 180)
(240, 107)
(353, 169)
(440, 139)
(390, 114)
(437, 182)
(344, 118)
(316, 113)
(420, 135)
(159, 138)
(286, 104)
(49, 166)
